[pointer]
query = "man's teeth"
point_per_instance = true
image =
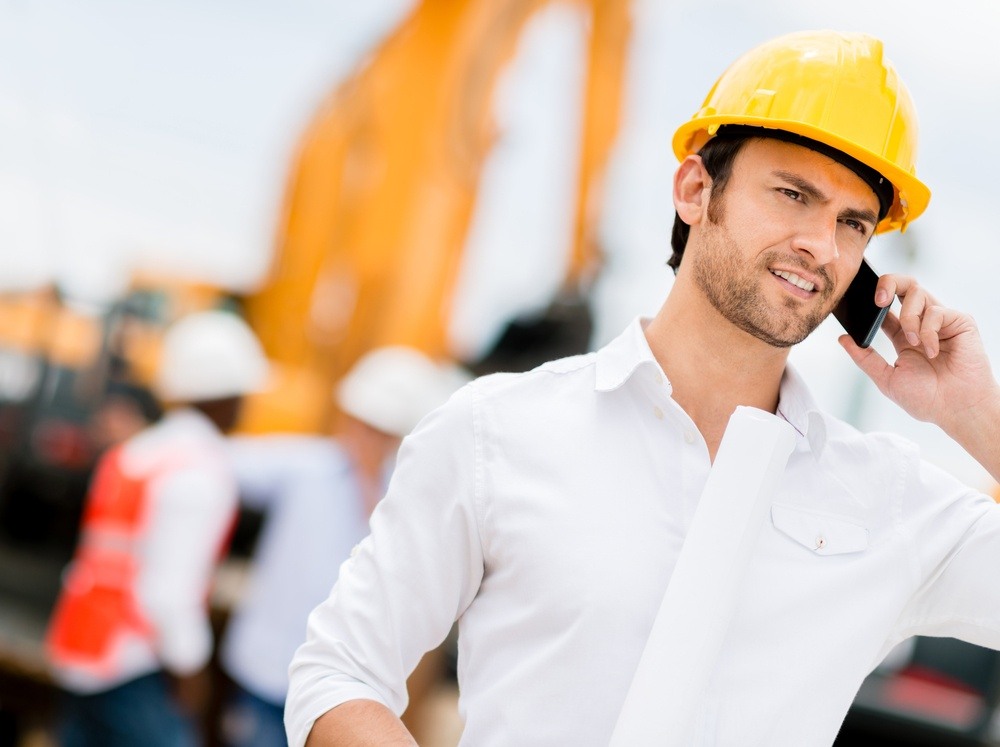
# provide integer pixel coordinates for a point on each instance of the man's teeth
(794, 279)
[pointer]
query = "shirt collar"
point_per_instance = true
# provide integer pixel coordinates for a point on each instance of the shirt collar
(618, 361)
(797, 406)
(620, 358)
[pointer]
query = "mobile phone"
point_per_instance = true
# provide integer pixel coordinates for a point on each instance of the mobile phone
(857, 312)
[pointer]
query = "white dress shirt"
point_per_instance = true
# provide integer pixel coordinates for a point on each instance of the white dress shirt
(314, 515)
(545, 512)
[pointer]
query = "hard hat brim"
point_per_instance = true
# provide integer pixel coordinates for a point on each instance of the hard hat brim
(911, 195)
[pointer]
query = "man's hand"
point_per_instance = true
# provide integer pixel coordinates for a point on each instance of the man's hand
(941, 369)
(941, 373)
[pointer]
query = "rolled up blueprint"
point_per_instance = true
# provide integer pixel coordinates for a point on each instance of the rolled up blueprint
(688, 631)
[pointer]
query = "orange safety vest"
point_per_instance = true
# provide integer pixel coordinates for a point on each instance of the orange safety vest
(98, 607)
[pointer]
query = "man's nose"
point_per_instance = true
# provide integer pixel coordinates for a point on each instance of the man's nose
(819, 239)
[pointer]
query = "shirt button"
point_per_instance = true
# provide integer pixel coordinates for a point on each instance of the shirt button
(820, 542)
(689, 437)
(354, 551)
(658, 413)
(658, 377)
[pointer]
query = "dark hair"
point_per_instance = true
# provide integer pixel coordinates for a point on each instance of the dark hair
(717, 155)
(139, 396)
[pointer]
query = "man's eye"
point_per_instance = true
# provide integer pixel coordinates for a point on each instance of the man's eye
(791, 193)
(857, 226)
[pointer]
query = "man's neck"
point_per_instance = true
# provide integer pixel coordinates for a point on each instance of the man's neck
(713, 366)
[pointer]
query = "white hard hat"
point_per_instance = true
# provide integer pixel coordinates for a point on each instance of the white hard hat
(210, 355)
(392, 388)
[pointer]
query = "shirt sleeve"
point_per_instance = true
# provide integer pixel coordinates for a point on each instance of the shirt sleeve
(405, 584)
(191, 514)
(956, 545)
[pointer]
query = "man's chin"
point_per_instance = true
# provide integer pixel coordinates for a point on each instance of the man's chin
(782, 340)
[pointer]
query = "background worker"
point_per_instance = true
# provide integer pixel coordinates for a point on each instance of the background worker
(130, 636)
(546, 511)
(316, 494)
(125, 409)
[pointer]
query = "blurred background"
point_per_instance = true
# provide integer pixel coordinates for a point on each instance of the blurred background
(485, 180)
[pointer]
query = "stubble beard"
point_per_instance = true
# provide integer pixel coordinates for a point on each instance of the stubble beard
(734, 289)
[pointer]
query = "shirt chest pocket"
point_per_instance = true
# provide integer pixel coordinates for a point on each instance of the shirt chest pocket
(821, 533)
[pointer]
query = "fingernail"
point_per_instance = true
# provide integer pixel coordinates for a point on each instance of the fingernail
(911, 337)
(881, 297)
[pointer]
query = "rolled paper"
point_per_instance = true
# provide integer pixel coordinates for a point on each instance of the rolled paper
(690, 626)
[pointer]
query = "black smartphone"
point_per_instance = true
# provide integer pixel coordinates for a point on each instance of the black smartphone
(857, 312)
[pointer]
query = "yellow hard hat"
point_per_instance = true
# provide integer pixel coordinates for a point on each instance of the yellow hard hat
(833, 88)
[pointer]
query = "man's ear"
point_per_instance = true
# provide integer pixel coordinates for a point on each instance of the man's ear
(691, 183)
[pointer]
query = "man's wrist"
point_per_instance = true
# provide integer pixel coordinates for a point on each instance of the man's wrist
(977, 430)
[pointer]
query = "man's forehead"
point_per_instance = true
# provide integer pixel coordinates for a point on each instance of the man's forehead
(777, 156)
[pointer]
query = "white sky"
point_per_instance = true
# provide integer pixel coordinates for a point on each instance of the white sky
(161, 133)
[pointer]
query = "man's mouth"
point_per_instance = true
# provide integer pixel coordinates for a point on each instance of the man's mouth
(795, 280)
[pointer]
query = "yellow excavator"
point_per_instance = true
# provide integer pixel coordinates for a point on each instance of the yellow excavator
(381, 193)
(373, 229)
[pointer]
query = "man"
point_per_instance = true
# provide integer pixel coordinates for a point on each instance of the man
(546, 512)
(130, 635)
(317, 494)
(125, 410)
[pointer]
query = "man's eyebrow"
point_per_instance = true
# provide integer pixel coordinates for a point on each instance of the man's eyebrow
(810, 190)
(801, 185)
(866, 216)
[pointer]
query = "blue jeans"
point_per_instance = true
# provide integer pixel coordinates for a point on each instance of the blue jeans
(139, 713)
(249, 721)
